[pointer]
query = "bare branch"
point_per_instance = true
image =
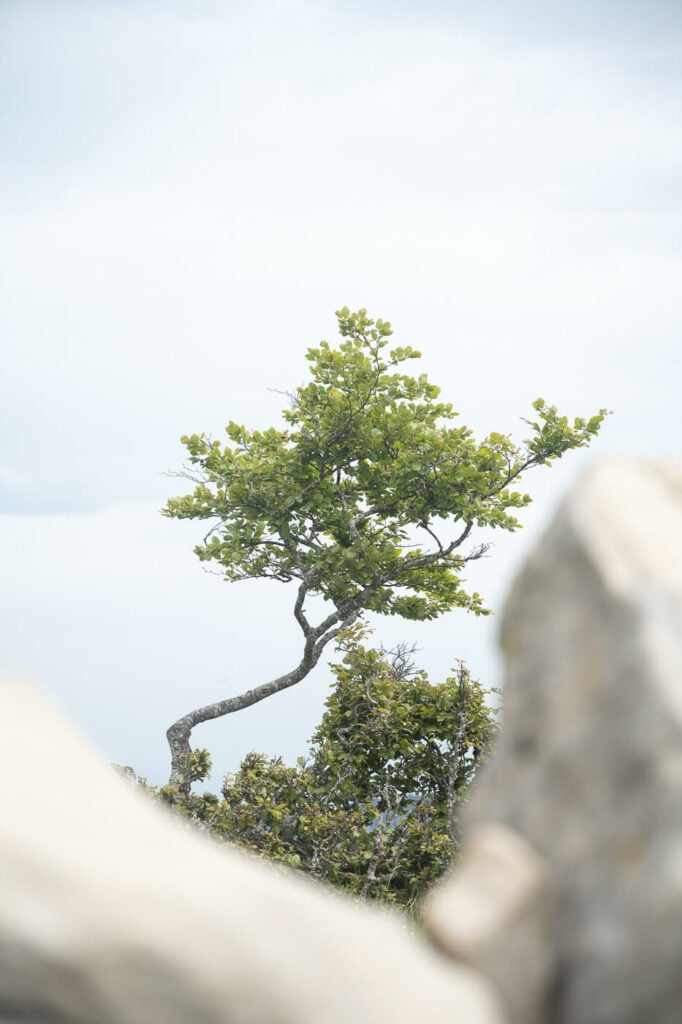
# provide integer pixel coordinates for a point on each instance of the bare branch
(480, 551)
(431, 533)
(400, 659)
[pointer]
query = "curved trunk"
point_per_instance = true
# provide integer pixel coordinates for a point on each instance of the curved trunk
(316, 639)
(178, 734)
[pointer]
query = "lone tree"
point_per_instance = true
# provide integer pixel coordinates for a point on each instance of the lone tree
(367, 498)
(374, 807)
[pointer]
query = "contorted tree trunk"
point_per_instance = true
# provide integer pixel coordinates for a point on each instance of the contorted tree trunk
(316, 639)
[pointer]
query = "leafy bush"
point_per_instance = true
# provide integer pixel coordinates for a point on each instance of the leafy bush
(374, 807)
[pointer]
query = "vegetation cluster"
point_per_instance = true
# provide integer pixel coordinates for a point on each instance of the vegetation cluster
(365, 500)
(374, 807)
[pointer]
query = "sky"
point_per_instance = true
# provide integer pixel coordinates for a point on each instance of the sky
(189, 190)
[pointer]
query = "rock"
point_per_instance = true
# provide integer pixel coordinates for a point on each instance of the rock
(495, 913)
(126, 772)
(589, 767)
(113, 913)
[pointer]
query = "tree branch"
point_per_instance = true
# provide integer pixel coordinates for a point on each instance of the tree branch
(298, 610)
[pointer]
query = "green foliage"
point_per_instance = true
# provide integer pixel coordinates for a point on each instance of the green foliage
(373, 809)
(364, 497)
(357, 496)
(200, 765)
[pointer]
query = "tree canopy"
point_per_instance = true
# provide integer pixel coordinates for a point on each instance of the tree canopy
(366, 497)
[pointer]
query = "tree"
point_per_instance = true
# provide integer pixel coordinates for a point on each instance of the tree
(374, 807)
(366, 498)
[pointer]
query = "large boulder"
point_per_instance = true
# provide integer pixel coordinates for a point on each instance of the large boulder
(112, 913)
(578, 822)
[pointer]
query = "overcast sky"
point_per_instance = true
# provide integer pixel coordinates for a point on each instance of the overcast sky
(188, 192)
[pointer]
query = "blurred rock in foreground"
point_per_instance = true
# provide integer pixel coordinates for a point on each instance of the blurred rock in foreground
(112, 912)
(569, 893)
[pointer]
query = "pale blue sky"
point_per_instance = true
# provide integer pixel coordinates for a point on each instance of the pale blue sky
(188, 192)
